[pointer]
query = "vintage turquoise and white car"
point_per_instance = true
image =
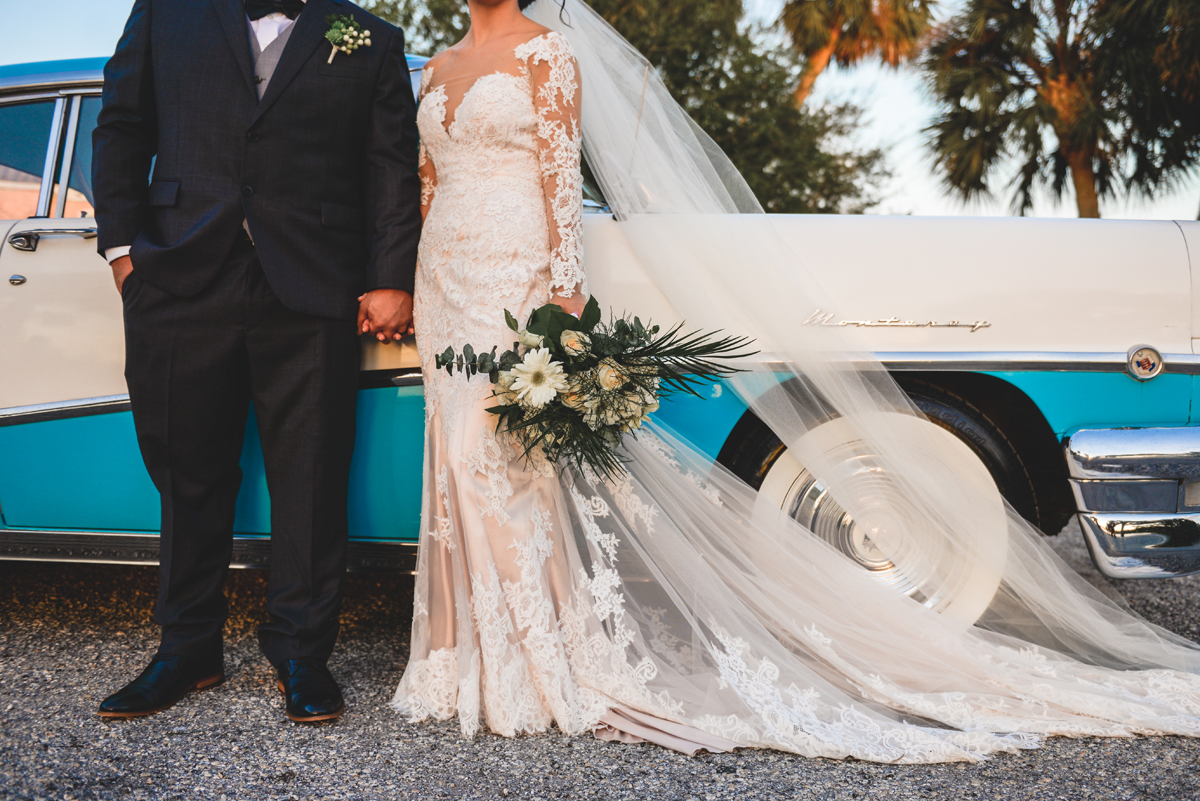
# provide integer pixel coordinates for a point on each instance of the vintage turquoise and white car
(1061, 352)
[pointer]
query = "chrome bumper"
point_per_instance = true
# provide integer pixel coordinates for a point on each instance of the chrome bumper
(1138, 495)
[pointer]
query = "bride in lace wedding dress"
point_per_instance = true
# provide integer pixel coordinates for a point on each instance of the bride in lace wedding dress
(669, 606)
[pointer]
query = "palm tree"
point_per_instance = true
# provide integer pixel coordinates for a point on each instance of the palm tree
(1026, 79)
(1154, 47)
(847, 31)
(736, 85)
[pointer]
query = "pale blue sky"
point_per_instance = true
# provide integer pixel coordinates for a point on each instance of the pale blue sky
(896, 104)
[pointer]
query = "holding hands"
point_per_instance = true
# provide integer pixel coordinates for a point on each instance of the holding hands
(385, 314)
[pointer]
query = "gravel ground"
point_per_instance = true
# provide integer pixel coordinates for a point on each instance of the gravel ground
(69, 634)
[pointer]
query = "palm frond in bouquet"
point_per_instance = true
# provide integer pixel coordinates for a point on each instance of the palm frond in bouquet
(573, 387)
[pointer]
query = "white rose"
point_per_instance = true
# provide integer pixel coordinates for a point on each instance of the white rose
(610, 376)
(632, 410)
(612, 415)
(529, 340)
(573, 399)
(575, 343)
(367, 42)
(366, 33)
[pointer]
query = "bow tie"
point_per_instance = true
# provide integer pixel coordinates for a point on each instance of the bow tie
(257, 9)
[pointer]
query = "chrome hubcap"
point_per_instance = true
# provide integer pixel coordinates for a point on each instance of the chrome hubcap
(893, 537)
(812, 506)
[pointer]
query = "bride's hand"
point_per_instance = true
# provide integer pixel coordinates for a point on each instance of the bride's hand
(572, 305)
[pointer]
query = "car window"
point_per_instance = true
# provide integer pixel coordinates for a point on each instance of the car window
(24, 137)
(593, 198)
(79, 184)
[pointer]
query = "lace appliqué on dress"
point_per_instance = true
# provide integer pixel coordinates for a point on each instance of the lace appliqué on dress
(443, 532)
(424, 165)
(560, 148)
(490, 457)
(430, 687)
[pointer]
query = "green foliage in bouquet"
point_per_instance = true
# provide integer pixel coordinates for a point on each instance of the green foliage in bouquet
(573, 387)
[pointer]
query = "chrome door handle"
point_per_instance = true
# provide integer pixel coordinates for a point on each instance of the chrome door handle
(16, 280)
(27, 240)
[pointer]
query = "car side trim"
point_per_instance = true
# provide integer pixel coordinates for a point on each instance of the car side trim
(113, 548)
(62, 410)
(112, 404)
(409, 378)
(1017, 361)
(997, 361)
(382, 379)
(901, 361)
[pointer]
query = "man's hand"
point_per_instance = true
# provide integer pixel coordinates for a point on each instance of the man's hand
(385, 314)
(121, 268)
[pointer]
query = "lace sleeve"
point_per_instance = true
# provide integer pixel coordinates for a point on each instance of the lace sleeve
(556, 92)
(425, 168)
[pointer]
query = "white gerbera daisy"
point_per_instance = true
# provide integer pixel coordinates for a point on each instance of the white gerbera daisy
(537, 379)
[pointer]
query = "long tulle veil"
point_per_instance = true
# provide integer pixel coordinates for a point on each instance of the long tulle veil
(696, 228)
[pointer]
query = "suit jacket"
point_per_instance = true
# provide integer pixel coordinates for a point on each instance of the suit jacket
(323, 168)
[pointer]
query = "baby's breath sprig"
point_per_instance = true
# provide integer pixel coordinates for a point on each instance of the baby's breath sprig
(345, 34)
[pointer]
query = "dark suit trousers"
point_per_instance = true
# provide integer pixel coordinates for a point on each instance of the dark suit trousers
(193, 366)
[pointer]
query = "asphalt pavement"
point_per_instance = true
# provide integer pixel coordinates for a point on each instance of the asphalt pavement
(70, 634)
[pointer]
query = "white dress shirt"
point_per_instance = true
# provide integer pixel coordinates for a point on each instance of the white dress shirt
(266, 30)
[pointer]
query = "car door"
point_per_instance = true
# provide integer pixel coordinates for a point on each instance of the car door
(59, 303)
(68, 455)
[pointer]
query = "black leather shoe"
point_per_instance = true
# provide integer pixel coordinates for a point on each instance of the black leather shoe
(165, 680)
(309, 690)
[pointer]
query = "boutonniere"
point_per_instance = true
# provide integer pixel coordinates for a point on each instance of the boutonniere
(345, 34)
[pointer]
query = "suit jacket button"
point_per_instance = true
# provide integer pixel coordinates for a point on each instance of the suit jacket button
(247, 191)
(251, 136)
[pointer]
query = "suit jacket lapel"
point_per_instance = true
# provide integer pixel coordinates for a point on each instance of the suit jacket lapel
(308, 33)
(232, 14)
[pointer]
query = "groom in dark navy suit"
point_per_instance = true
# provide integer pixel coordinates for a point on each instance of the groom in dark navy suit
(260, 206)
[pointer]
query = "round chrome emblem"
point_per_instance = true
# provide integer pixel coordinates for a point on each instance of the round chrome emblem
(1144, 362)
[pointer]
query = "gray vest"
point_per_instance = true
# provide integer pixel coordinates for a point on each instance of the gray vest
(265, 61)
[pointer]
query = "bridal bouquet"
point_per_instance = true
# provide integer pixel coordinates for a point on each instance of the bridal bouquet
(575, 386)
